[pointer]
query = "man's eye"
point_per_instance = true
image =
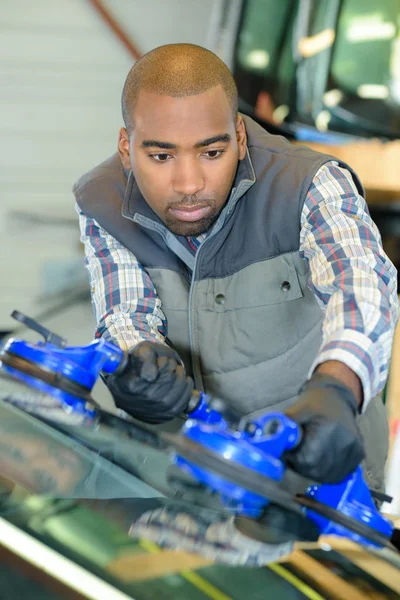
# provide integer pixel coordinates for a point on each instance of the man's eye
(161, 157)
(214, 153)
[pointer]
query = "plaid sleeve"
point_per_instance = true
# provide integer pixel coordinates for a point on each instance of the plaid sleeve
(124, 299)
(351, 276)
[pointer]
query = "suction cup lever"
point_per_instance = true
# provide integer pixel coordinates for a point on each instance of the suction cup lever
(49, 336)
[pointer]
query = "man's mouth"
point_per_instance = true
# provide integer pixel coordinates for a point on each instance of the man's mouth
(191, 213)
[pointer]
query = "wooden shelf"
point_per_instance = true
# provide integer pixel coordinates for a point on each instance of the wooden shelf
(375, 162)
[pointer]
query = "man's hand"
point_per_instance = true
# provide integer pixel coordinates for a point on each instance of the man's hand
(331, 447)
(153, 387)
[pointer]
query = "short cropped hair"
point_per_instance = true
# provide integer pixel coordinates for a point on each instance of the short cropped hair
(177, 70)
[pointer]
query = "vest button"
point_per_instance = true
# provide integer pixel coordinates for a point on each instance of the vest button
(220, 299)
(285, 286)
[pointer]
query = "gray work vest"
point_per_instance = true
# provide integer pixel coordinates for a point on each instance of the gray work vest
(239, 312)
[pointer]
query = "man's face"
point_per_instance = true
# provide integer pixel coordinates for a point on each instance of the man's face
(184, 153)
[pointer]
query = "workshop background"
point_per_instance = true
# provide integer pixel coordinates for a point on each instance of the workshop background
(62, 68)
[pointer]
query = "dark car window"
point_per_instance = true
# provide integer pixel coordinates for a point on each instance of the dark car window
(355, 78)
(264, 23)
(367, 49)
(264, 57)
(366, 65)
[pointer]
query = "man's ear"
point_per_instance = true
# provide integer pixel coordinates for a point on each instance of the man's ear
(123, 148)
(241, 137)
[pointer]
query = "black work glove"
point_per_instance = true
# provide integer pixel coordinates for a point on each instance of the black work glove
(153, 386)
(332, 446)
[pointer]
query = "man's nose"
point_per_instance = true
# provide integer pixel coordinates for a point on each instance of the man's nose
(188, 177)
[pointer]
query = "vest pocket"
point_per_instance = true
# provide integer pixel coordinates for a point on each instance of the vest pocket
(268, 282)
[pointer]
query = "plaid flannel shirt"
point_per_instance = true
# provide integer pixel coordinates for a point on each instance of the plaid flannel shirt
(351, 277)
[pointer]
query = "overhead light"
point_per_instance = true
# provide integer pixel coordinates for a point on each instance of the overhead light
(322, 120)
(258, 59)
(310, 46)
(369, 90)
(395, 71)
(332, 98)
(369, 29)
(395, 91)
(280, 113)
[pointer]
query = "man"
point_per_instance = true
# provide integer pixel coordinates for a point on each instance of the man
(220, 252)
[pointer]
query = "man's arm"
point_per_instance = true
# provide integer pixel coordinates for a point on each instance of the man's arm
(125, 302)
(153, 386)
(340, 371)
(353, 280)
(356, 284)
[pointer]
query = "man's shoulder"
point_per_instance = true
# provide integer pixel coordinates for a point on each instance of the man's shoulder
(261, 141)
(110, 170)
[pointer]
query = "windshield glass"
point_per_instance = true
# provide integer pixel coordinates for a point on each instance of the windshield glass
(105, 498)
